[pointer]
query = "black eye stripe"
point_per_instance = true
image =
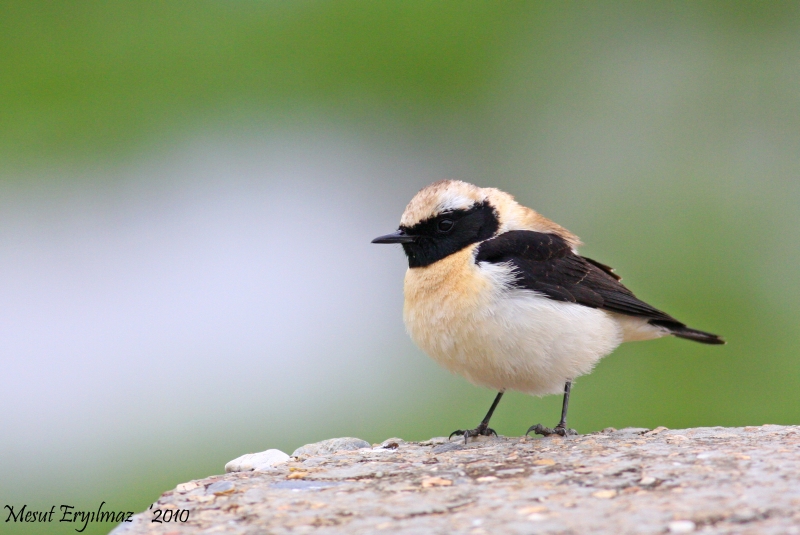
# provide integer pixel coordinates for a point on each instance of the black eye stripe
(437, 239)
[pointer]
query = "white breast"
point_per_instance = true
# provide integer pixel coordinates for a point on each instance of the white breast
(468, 319)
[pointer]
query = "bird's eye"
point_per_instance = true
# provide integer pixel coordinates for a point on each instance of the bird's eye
(445, 225)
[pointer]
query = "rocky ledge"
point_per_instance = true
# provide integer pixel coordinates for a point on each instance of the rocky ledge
(708, 480)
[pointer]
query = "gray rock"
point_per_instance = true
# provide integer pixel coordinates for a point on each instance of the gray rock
(451, 446)
(735, 481)
(304, 485)
(315, 461)
(632, 431)
(434, 441)
(257, 461)
(349, 471)
(332, 445)
(255, 495)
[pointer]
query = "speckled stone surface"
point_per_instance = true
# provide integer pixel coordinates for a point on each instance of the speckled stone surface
(704, 480)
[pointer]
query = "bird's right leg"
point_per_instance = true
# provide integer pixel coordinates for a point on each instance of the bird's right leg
(483, 427)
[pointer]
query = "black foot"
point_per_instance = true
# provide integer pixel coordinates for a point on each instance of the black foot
(481, 430)
(539, 429)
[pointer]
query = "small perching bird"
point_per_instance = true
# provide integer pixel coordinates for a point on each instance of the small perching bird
(498, 293)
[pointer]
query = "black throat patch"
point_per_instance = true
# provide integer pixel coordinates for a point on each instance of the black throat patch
(448, 233)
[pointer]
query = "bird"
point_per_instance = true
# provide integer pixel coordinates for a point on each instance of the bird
(499, 294)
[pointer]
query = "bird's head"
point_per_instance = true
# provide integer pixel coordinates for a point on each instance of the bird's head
(442, 219)
(449, 215)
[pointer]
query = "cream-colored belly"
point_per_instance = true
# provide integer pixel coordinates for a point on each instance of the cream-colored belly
(468, 319)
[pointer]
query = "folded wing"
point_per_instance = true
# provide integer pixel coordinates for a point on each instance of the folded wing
(545, 263)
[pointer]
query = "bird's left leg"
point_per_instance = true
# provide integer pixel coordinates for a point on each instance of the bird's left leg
(561, 428)
(483, 427)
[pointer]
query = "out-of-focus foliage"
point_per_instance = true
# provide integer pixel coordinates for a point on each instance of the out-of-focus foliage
(84, 78)
(97, 76)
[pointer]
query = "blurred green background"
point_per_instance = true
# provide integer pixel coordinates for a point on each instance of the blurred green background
(280, 137)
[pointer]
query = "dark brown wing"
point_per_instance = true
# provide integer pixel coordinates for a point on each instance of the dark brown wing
(546, 264)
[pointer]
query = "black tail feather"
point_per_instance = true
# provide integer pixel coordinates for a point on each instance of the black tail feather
(682, 331)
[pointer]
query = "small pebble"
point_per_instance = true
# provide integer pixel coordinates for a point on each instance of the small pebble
(681, 526)
(532, 509)
(392, 443)
(257, 461)
(435, 482)
(675, 439)
(220, 487)
(186, 487)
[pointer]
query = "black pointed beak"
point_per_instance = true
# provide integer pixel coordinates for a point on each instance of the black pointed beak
(395, 237)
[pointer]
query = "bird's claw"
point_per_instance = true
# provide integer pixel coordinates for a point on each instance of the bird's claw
(478, 431)
(560, 430)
